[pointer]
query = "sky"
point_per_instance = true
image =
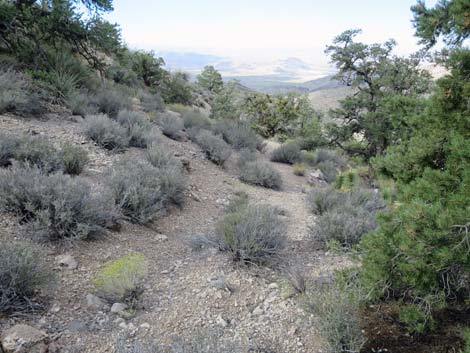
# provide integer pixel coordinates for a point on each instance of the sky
(261, 29)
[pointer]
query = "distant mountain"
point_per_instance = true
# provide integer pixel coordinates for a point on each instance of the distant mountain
(292, 66)
(327, 82)
(194, 62)
(282, 83)
(274, 72)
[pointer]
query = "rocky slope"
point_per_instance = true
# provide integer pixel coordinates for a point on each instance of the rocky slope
(187, 292)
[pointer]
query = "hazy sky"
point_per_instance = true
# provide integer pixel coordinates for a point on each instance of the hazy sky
(260, 29)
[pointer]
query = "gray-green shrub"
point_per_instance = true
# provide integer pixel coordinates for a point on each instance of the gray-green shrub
(137, 126)
(246, 155)
(142, 191)
(194, 119)
(338, 317)
(329, 170)
(344, 226)
(260, 173)
(344, 217)
(38, 151)
(287, 153)
(216, 149)
(23, 275)
(238, 134)
(73, 159)
(110, 100)
(18, 95)
(56, 206)
(326, 155)
(105, 132)
(14, 90)
(160, 157)
(321, 200)
(253, 234)
(171, 126)
(80, 103)
(8, 146)
(151, 103)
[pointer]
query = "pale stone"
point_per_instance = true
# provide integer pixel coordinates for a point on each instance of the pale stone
(23, 339)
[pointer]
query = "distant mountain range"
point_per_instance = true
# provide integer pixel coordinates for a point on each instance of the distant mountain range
(274, 76)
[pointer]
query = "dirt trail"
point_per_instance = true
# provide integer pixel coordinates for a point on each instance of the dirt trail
(182, 293)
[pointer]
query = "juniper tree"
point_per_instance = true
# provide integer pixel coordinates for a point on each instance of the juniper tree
(367, 122)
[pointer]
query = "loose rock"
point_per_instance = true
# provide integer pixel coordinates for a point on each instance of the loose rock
(118, 308)
(93, 302)
(258, 311)
(67, 261)
(221, 322)
(23, 339)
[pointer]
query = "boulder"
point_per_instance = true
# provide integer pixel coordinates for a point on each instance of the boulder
(24, 339)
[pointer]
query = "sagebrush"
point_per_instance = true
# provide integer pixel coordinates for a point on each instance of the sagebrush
(262, 174)
(40, 152)
(73, 159)
(238, 134)
(338, 318)
(253, 234)
(23, 275)
(110, 100)
(288, 153)
(194, 119)
(171, 126)
(106, 133)
(138, 127)
(216, 149)
(143, 191)
(18, 95)
(344, 216)
(54, 207)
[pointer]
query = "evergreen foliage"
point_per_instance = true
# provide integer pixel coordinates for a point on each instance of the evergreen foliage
(420, 252)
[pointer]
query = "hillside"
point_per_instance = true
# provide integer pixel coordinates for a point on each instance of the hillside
(186, 290)
(193, 203)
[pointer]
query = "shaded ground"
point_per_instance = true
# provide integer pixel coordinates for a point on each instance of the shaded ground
(383, 331)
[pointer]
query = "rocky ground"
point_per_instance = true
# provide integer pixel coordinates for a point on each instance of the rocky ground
(187, 292)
